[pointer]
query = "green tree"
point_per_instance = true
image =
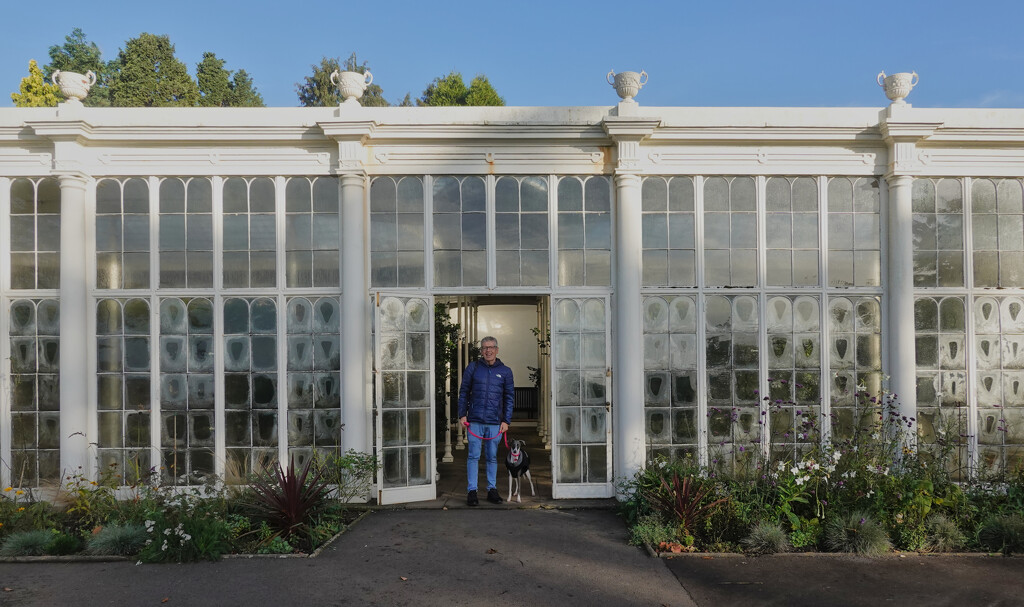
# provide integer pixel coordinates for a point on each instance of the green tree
(79, 55)
(218, 87)
(146, 73)
(34, 91)
(317, 90)
(450, 89)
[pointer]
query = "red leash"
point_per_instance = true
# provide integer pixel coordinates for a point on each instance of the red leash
(491, 438)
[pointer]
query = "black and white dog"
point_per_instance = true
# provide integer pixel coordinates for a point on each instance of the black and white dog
(518, 464)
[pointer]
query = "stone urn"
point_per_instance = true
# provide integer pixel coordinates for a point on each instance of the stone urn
(351, 84)
(897, 86)
(627, 84)
(74, 85)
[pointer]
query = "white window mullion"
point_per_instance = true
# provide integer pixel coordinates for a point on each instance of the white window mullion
(92, 415)
(552, 232)
(490, 236)
(428, 232)
(220, 451)
(825, 383)
(280, 217)
(5, 354)
(760, 206)
(154, 324)
(702, 363)
(973, 451)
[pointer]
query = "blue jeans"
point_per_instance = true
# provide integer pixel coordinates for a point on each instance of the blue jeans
(490, 453)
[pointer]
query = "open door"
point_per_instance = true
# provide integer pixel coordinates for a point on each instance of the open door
(581, 453)
(403, 371)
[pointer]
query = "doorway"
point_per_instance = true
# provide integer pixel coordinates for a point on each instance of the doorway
(520, 324)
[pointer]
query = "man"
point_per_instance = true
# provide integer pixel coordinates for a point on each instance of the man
(486, 399)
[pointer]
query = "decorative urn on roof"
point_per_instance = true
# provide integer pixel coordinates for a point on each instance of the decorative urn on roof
(627, 84)
(898, 86)
(351, 84)
(73, 85)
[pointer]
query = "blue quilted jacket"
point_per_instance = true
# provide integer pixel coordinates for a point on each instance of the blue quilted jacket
(488, 393)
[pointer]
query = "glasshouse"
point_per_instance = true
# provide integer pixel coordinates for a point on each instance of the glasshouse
(200, 291)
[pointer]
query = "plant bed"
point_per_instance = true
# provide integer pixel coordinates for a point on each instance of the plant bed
(282, 512)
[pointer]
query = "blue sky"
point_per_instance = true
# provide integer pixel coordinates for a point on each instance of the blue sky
(708, 53)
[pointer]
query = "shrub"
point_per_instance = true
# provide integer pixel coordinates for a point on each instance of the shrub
(64, 543)
(652, 530)
(856, 532)
(27, 543)
(767, 538)
(687, 500)
(943, 534)
(177, 538)
(1003, 534)
(288, 500)
(117, 540)
(349, 475)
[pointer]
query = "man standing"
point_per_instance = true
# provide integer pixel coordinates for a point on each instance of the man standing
(486, 399)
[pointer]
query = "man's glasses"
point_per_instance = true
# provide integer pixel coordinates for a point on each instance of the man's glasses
(485, 348)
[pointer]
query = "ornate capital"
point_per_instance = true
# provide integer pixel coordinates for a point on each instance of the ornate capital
(903, 137)
(351, 137)
(627, 132)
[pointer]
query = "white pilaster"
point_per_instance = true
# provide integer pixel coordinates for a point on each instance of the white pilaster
(628, 427)
(74, 317)
(355, 407)
(900, 288)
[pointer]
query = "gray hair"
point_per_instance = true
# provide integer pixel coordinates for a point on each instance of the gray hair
(490, 339)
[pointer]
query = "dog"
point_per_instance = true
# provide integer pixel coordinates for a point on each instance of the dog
(518, 463)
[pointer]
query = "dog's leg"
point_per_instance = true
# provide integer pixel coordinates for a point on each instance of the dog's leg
(519, 487)
(530, 478)
(509, 487)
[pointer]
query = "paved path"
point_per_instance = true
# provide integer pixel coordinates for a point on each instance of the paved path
(494, 555)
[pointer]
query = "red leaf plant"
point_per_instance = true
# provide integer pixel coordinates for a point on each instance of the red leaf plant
(287, 500)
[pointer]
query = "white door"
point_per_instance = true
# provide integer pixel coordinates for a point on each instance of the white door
(581, 453)
(404, 397)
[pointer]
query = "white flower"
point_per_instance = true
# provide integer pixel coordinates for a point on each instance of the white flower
(164, 547)
(801, 480)
(794, 470)
(836, 455)
(167, 531)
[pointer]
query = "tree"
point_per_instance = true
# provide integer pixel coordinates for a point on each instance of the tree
(34, 91)
(318, 90)
(219, 88)
(146, 73)
(79, 55)
(450, 89)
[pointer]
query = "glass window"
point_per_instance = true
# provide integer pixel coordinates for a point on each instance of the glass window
(855, 360)
(249, 233)
(187, 428)
(35, 234)
(584, 231)
(312, 232)
(123, 357)
(250, 383)
(998, 230)
(854, 232)
(731, 348)
(794, 368)
(314, 380)
(791, 232)
(521, 227)
(668, 232)
(999, 342)
(460, 232)
(122, 234)
(938, 233)
(35, 391)
(186, 233)
(730, 232)
(396, 232)
(670, 375)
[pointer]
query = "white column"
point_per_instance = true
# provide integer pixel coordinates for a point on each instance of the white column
(900, 289)
(74, 317)
(354, 314)
(628, 436)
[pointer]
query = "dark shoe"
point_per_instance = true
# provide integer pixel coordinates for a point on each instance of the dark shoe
(493, 497)
(471, 499)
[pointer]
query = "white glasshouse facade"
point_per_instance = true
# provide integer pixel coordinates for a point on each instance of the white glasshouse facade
(196, 289)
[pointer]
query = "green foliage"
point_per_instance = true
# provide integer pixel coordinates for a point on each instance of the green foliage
(219, 87)
(687, 500)
(446, 349)
(348, 474)
(943, 534)
(34, 91)
(287, 500)
(64, 543)
(856, 532)
(1003, 534)
(450, 89)
(79, 55)
(27, 543)
(767, 537)
(117, 540)
(176, 537)
(146, 73)
(652, 530)
(317, 90)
